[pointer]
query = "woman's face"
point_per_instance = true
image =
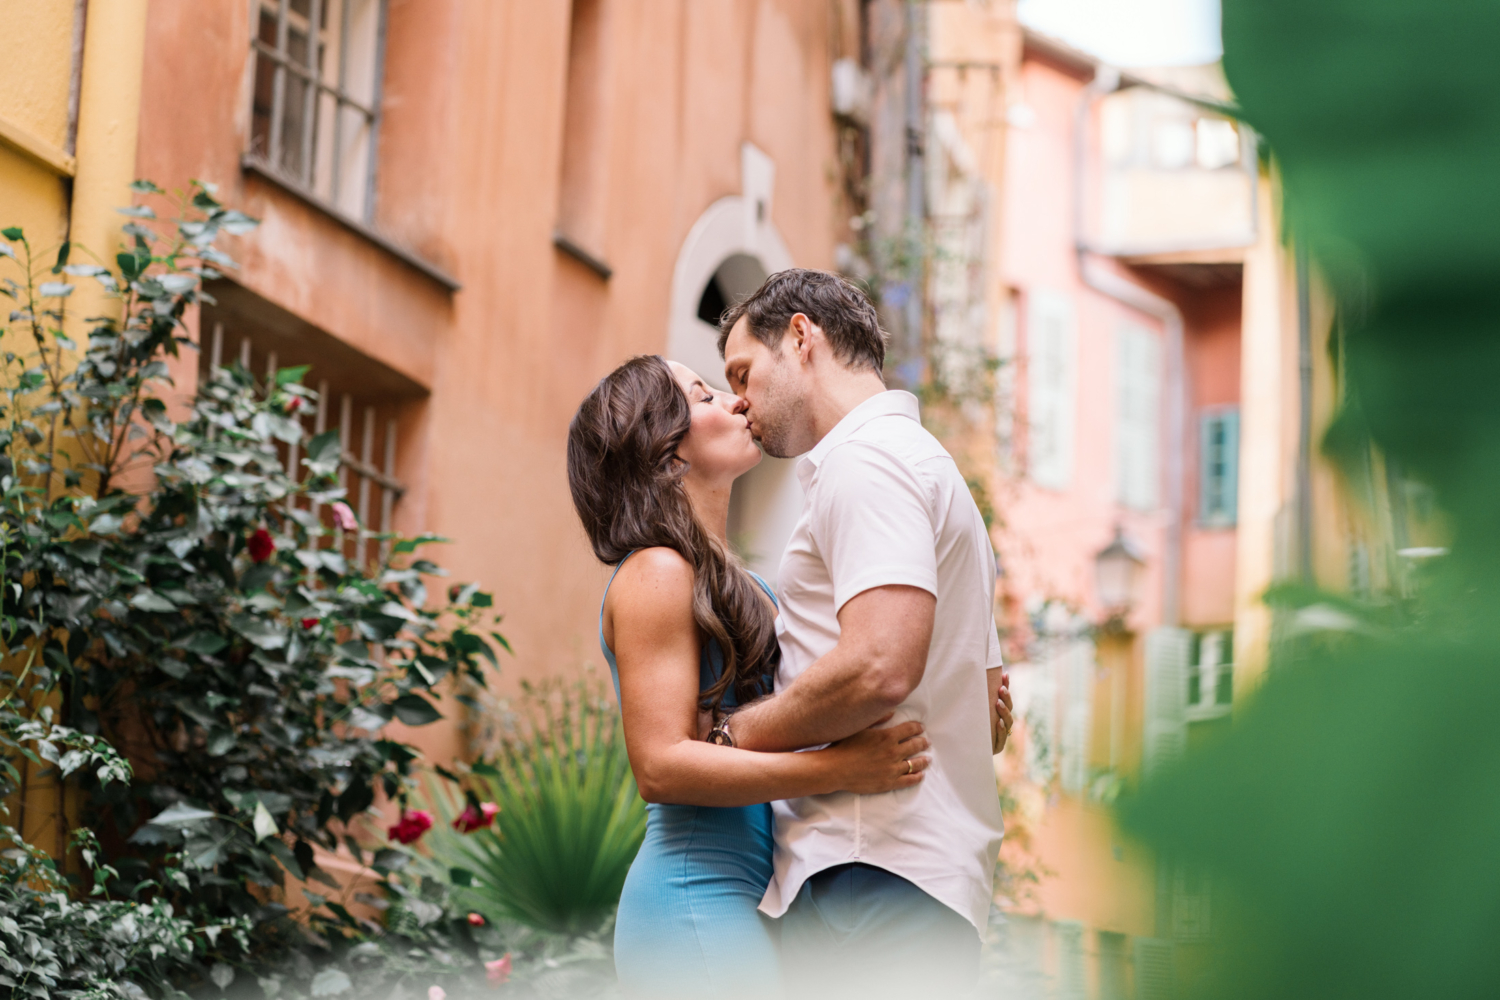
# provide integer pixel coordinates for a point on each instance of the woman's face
(718, 444)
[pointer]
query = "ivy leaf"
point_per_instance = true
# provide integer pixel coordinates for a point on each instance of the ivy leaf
(264, 825)
(331, 982)
(220, 741)
(180, 816)
(205, 643)
(148, 600)
(262, 633)
(323, 454)
(414, 710)
(288, 376)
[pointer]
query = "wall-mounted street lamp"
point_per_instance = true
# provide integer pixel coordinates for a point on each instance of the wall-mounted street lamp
(1117, 573)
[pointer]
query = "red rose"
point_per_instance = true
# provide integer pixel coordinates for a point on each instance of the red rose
(476, 920)
(476, 817)
(410, 827)
(498, 971)
(294, 404)
(310, 622)
(261, 546)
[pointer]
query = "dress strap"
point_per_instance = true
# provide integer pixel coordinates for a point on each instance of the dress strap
(763, 586)
(606, 590)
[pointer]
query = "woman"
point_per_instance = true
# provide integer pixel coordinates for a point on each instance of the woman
(652, 455)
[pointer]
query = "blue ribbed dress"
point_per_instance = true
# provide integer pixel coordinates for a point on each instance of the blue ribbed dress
(688, 924)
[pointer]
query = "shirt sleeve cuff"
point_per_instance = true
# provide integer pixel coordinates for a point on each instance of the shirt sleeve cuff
(882, 576)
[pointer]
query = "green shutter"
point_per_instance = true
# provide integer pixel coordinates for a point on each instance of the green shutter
(1076, 666)
(1168, 659)
(1155, 969)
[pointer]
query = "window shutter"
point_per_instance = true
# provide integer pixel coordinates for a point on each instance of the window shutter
(1168, 659)
(1219, 467)
(1191, 898)
(1137, 416)
(1051, 388)
(1077, 667)
(1155, 969)
(1072, 979)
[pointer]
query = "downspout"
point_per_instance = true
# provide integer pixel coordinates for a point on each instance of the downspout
(1099, 278)
(916, 180)
(1304, 417)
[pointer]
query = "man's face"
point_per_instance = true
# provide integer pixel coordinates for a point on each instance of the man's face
(772, 384)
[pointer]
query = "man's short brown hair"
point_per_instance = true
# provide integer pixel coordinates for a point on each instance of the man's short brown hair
(844, 312)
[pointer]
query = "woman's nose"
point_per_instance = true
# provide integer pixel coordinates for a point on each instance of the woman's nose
(736, 404)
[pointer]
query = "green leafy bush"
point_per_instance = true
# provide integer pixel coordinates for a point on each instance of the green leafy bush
(207, 627)
(570, 820)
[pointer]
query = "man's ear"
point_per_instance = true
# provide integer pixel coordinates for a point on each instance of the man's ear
(801, 330)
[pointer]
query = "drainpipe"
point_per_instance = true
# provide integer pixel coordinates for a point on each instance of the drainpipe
(109, 112)
(916, 179)
(1304, 411)
(1099, 278)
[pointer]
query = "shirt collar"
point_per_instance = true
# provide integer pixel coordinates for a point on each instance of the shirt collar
(891, 403)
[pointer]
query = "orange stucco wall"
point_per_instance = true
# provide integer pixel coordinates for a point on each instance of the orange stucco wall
(469, 164)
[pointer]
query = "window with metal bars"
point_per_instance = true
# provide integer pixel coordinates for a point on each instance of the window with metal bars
(357, 397)
(315, 113)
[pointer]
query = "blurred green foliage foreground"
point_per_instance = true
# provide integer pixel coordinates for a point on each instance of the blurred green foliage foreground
(1352, 819)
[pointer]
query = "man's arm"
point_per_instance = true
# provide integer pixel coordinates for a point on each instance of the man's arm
(884, 633)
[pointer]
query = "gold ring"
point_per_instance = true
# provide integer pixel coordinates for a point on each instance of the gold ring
(908, 765)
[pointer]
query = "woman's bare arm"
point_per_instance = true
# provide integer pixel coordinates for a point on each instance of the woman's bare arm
(649, 625)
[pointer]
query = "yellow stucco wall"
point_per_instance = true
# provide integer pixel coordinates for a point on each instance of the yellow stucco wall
(36, 50)
(52, 196)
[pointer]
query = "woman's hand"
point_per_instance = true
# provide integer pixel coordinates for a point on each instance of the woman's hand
(880, 760)
(1002, 719)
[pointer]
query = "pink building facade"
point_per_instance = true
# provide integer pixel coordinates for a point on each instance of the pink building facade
(1126, 215)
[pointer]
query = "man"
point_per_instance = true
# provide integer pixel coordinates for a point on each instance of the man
(887, 590)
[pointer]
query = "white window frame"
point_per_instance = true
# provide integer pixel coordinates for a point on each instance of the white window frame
(1212, 661)
(1051, 387)
(1138, 423)
(320, 181)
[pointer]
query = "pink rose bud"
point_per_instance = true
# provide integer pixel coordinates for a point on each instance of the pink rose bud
(476, 817)
(436, 993)
(476, 920)
(498, 971)
(343, 517)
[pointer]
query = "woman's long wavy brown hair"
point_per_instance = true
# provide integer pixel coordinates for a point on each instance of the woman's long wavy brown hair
(626, 479)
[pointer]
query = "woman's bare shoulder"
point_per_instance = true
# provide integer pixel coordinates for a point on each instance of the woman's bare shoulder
(654, 580)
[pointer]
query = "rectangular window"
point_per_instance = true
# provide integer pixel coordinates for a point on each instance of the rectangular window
(1219, 467)
(1137, 417)
(316, 105)
(1051, 388)
(580, 212)
(1210, 677)
(372, 407)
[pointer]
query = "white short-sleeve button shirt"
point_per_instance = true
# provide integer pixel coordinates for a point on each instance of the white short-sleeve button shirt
(884, 504)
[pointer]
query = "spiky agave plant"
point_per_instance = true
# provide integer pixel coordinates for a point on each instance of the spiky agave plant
(570, 820)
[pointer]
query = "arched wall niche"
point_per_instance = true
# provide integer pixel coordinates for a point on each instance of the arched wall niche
(729, 251)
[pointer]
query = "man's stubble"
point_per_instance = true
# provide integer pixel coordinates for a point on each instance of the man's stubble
(781, 412)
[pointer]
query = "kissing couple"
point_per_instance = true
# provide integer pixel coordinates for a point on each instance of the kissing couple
(823, 817)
